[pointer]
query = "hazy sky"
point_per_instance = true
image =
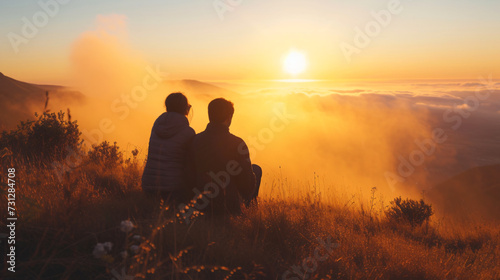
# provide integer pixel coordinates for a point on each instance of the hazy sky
(447, 39)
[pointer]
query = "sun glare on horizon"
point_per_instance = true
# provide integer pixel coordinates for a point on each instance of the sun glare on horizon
(295, 63)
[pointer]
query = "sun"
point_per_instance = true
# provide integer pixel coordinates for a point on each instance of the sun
(295, 63)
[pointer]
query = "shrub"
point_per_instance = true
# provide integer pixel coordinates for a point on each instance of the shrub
(109, 172)
(409, 211)
(106, 154)
(50, 137)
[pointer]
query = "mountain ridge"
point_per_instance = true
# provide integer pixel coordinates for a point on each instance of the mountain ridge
(20, 100)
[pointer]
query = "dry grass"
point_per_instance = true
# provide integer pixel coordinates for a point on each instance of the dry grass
(61, 222)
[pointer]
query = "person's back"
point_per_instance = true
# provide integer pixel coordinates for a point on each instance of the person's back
(171, 135)
(221, 164)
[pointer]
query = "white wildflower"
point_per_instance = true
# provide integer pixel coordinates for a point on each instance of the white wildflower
(108, 246)
(99, 250)
(126, 226)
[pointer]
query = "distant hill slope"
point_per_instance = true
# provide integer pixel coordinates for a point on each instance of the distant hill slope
(20, 100)
(201, 89)
(475, 191)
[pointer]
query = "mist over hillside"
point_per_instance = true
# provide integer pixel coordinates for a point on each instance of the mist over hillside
(20, 100)
(472, 193)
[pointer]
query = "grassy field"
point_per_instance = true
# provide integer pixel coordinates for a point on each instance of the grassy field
(60, 222)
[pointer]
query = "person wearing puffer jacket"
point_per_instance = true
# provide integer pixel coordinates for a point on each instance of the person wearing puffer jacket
(165, 171)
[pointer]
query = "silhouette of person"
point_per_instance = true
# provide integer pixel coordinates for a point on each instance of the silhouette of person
(165, 170)
(221, 166)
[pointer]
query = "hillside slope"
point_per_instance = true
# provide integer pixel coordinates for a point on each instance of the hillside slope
(475, 191)
(200, 89)
(20, 100)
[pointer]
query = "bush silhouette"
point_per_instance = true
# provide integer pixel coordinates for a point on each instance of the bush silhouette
(409, 211)
(50, 137)
(106, 154)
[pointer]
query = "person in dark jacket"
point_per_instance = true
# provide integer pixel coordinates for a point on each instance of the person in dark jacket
(171, 136)
(221, 165)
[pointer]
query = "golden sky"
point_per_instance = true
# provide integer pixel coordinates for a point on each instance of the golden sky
(225, 40)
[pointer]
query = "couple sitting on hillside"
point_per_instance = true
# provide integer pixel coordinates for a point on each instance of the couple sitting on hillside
(181, 165)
